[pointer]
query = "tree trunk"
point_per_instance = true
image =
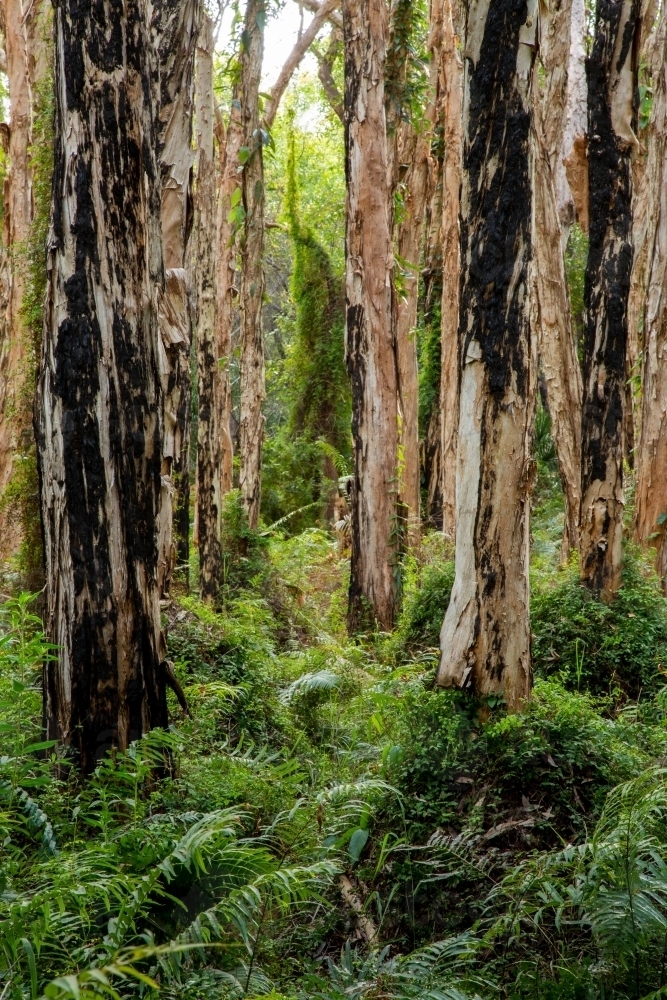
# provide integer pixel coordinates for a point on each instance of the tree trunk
(576, 120)
(99, 418)
(651, 493)
(409, 243)
(555, 336)
(252, 275)
(369, 345)
(485, 637)
(612, 82)
(210, 374)
(228, 145)
(452, 82)
(175, 29)
(26, 66)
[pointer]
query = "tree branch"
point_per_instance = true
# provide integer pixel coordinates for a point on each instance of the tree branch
(325, 72)
(324, 10)
(314, 5)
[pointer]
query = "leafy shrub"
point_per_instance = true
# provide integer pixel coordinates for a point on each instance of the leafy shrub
(243, 550)
(425, 606)
(617, 648)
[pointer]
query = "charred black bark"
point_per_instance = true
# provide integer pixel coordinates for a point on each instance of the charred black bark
(485, 639)
(612, 112)
(98, 415)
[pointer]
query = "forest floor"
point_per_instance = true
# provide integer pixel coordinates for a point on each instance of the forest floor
(329, 824)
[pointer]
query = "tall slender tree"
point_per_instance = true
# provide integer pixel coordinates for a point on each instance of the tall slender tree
(451, 73)
(485, 637)
(556, 344)
(210, 374)
(369, 341)
(175, 26)
(612, 112)
(252, 273)
(26, 67)
(99, 419)
(651, 493)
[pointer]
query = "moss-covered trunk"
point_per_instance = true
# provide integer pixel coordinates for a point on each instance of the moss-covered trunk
(99, 417)
(485, 637)
(27, 62)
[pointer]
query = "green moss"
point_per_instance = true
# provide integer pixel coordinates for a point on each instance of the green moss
(21, 497)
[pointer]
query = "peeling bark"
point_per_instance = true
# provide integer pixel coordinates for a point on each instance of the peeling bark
(485, 638)
(452, 83)
(25, 67)
(210, 375)
(408, 244)
(229, 144)
(556, 345)
(612, 78)
(251, 432)
(651, 492)
(175, 28)
(369, 346)
(99, 405)
(576, 116)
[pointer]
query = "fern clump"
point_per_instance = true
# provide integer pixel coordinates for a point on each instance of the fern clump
(617, 649)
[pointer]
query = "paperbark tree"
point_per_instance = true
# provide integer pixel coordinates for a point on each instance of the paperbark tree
(451, 86)
(26, 60)
(251, 437)
(211, 376)
(229, 143)
(99, 419)
(556, 345)
(485, 639)
(175, 27)
(576, 115)
(612, 82)
(651, 492)
(408, 176)
(369, 342)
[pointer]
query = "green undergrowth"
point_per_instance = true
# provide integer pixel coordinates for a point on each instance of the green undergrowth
(325, 822)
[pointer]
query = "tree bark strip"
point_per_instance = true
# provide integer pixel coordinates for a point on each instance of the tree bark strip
(555, 336)
(251, 436)
(25, 67)
(229, 143)
(175, 29)
(369, 342)
(409, 244)
(576, 115)
(209, 373)
(612, 80)
(651, 492)
(99, 418)
(485, 639)
(452, 83)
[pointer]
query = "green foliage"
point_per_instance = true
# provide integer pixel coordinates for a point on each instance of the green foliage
(617, 649)
(544, 447)
(429, 337)
(422, 616)
(308, 442)
(243, 549)
(576, 256)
